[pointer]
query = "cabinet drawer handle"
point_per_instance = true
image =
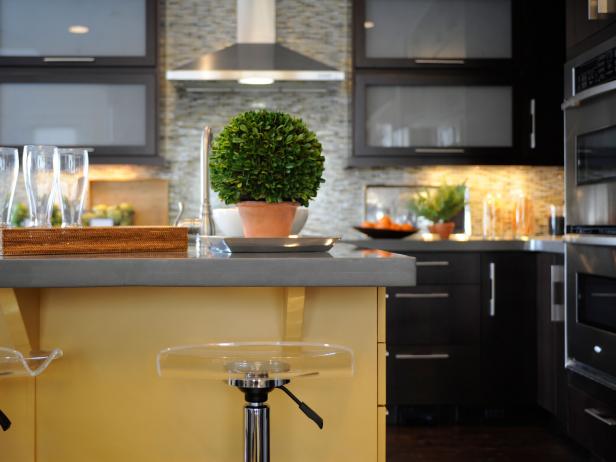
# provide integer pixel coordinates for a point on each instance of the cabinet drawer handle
(492, 290)
(67, 59)
(432, 263)
(609, 421)
(439, 61)
(428, 356)
(439, 151)
(533, 133)
(428, 295)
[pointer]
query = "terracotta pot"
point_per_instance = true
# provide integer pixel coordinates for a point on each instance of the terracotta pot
(444, 230)
(260, 219)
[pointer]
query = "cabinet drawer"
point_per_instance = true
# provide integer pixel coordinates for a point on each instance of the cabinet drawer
(434, 315)
(433, 375)
(447, 268)
(592, 423)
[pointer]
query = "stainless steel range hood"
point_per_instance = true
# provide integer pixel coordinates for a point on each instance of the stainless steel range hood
(256, 58)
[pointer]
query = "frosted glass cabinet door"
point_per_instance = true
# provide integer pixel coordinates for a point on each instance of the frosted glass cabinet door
(418, 117)
(113, 115)
(438, 116)
(430, 31)
(77, 32)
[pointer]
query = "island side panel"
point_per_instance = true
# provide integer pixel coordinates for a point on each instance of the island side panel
(103, 400)
(17, 395)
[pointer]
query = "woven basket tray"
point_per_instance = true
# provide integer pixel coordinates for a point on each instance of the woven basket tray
(103, 240)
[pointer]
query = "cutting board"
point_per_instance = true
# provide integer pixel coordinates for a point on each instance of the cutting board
(149, 197)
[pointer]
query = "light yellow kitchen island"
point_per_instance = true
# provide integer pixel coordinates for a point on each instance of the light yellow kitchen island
(103, 401)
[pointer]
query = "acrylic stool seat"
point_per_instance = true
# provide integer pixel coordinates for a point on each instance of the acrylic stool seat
(14, 364)
(256, 369)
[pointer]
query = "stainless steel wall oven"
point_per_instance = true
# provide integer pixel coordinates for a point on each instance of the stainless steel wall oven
(590, 195)
(590, 140)
(591, 308)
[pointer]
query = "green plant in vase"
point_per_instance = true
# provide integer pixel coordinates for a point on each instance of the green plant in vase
(268, 163)
(440, 207)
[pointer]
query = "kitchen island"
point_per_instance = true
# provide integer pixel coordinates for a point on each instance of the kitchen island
(111, 315)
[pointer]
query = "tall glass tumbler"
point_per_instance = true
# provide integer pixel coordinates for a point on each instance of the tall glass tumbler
(9, 172)
(72, 183)
(41, 168)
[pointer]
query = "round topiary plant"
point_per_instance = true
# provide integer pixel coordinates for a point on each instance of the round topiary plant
(266, 156)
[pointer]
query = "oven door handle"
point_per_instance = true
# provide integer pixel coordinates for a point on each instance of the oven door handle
(576, 100)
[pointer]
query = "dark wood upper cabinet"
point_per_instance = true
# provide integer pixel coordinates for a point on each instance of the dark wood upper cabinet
(458, 82)
(427, 116)
(113, 114)
(78, 33)
(434, 33)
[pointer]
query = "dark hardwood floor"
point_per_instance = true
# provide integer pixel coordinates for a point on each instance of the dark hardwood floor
(502, 442)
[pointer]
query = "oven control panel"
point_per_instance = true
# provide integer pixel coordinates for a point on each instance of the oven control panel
(601, 69)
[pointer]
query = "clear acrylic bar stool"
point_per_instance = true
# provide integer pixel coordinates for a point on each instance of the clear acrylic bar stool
(256, 369)
(15, 364)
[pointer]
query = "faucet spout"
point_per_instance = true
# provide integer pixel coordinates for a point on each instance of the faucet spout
(205, 212)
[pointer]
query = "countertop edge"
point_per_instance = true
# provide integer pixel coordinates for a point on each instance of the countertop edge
(266, 272)
(412, 245)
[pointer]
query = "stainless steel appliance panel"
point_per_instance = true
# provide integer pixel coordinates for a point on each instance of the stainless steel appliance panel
(591, 311)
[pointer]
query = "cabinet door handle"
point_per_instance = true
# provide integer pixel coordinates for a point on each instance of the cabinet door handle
(432, 263)
(427, 356)
(67, 59)
(557, 305)
(533, 144)
(439, 61)
(596, 413)
(426, 295)
(492, 289)
(439, 150)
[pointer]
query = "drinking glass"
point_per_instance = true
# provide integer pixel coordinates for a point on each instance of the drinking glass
(40, 168)
(72, 182)
(556, 220)
(9, 171)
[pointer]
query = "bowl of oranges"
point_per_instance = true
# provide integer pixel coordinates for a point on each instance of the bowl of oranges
(386, 228)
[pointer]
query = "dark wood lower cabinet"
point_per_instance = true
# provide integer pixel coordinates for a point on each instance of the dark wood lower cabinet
(486, 330)
(452, 341)
(438, 374)
(551, 372)
(592, 423)
(508, 330)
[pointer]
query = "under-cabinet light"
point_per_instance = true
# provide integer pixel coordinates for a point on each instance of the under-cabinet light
(256, 81)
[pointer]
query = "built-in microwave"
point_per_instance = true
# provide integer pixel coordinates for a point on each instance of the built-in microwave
(590, 140)
(591, 307)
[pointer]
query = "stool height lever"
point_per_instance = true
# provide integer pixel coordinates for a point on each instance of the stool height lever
(307, 410)
(5, 423)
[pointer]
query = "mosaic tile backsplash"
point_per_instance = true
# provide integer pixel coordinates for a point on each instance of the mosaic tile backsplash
(320, 29)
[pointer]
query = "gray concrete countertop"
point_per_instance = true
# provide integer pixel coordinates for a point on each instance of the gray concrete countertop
(342, 266)
(538, 244)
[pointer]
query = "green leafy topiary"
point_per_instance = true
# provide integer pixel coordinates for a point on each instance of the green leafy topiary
(441, 205)
(266, 156)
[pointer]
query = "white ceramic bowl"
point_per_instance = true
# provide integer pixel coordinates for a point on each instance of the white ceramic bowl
(229, 223)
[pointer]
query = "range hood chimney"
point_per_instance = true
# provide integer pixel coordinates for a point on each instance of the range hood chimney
(256, 58)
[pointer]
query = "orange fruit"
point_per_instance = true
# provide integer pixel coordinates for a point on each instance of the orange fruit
(367, 224)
